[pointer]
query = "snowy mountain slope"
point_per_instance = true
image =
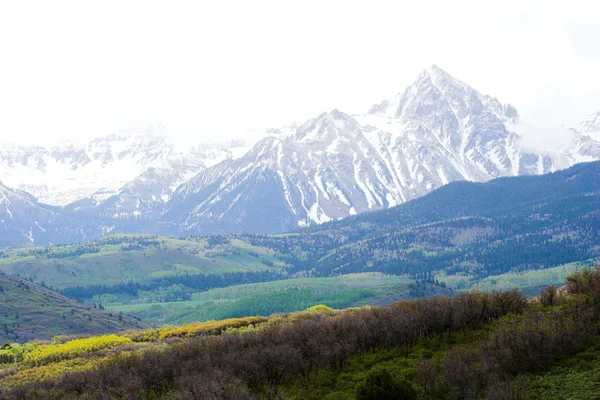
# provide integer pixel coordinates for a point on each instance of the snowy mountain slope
(318, 174)
(69, 171)
(130, 175)
(591, 126)
(437, 131)
(586, 143)
(24, 221)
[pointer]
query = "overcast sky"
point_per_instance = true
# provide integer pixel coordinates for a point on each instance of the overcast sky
(204, 69)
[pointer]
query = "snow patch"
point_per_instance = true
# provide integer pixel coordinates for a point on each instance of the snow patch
(38, 225)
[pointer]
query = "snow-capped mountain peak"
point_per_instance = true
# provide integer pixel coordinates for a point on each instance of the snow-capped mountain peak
(435, 90)
(591, 126)
(436, 131)
(326, 128)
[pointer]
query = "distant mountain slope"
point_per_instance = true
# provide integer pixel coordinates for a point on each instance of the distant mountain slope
(591, 126)
(24, 221)
(125, 176)
(69, 171)
(506, 224)
(30, 312)
(491, 199)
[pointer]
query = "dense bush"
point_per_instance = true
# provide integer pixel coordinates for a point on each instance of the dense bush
(209, 327)
(55, 352)
(281, 348)
(381, 385)
(528, 343)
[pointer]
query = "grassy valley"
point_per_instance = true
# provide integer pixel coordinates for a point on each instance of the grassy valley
(283, 296)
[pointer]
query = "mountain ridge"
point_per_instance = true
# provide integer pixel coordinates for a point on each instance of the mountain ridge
(438, 130)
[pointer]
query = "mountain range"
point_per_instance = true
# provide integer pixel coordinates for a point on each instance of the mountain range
(438, 130)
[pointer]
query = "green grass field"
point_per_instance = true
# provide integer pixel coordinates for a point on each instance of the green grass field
(317, 285)
(528, 281)
(133, 257)
(286, 295)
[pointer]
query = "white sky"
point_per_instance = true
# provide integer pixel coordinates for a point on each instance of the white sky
(210, 69)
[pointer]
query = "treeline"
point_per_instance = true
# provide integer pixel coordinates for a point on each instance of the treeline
(198, 282)
(73, 250)
(161, 295)
(493, 246)
(246, 364)
(63, 251)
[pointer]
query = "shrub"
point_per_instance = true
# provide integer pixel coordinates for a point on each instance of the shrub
(210, 327)
(320, 308)
(381, 385)
(56, 352)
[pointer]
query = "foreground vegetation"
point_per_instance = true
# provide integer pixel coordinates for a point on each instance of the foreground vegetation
(469, 346)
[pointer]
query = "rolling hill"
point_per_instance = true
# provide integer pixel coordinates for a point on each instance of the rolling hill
(139, 258)
(29, 311)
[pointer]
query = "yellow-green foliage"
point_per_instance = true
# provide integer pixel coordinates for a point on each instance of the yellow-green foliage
(146, 335)
(50, 371)
(320, 308)
(16, 351)
(56, 352)
(210, 327)
(7, 356)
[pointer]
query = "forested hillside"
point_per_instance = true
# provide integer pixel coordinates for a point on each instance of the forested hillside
(471, 346)
(508, 224)
(29, 311)
(138, 258)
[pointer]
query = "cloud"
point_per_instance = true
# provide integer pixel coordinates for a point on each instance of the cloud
(585, 37)
(77, 69)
